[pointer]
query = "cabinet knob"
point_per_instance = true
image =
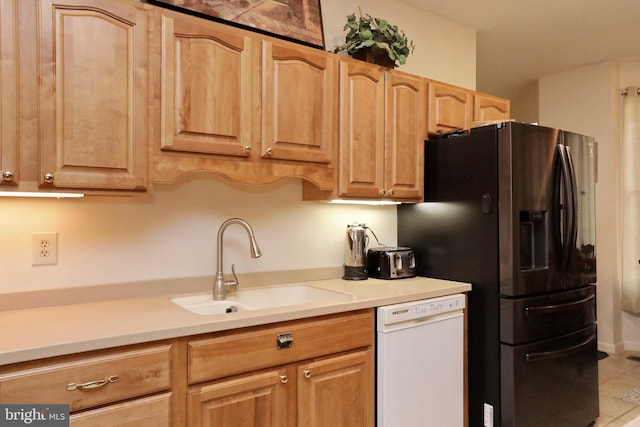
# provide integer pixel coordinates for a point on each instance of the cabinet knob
(247, 148)
(284, 379)
(382, 192)
(391, 192)
(269, 151)
(307, 373)
(7, 175)
(48, 178)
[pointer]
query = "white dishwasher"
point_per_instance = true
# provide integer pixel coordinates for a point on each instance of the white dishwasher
(420, 363)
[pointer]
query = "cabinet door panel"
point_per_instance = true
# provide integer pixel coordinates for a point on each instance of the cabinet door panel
(487, 108)
(337, 391)
(206, 88)
(257, 400)
(8, 92)
(95, 94)
(450, 107)
(361, 130)
(406, 132)
(297, 106)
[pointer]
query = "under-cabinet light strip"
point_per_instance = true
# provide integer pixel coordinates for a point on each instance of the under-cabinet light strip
(37, 194)
(363, 202)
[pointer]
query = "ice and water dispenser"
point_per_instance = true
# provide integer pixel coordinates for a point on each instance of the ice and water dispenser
(534, 245)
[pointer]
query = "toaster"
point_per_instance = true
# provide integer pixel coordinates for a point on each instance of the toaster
(391, 263)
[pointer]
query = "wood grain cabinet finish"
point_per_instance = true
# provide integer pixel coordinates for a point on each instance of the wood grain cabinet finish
(9, 173)
(125, 385)
(450, 107)
(489, 107)
(262, 399)
(325, 378)
(94, 94)
(297, 103)
(382, 130)
(206, 92)
(406, 123)
(337, 391)
(247, 107)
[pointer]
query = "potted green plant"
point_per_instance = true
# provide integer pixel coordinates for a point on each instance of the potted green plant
(375, 40)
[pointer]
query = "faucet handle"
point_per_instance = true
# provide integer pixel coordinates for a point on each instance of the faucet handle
(232, 284)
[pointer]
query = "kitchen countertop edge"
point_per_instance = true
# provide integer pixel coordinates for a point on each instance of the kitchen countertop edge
(43, 332)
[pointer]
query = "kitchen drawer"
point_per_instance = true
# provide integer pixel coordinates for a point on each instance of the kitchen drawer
(249, 349)
(147, 411)
(133, 372)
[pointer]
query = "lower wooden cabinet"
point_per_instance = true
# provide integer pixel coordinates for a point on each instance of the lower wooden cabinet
(259, 399)
(313, 372)
(323, 374)
(336, 391)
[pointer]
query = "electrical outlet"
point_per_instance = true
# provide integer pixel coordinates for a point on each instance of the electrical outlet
(488, 415)
(44, 248)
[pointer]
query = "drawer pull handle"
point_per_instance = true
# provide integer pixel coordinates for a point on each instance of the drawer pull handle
(92, 384)
(307, 373)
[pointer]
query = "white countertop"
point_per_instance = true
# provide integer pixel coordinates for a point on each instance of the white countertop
(39, 332)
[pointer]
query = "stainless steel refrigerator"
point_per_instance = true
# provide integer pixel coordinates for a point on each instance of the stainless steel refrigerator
(510, 208)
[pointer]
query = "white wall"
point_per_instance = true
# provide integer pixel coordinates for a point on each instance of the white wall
(172, 232)
(587, 101)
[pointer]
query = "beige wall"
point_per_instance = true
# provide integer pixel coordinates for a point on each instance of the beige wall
(445, 50)
(172, 232)
(587, 100)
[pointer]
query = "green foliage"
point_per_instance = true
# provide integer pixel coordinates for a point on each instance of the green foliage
(368, 31)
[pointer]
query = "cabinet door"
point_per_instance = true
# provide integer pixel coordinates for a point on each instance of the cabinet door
(8, 92)
(94, 95)
(297, 103)
(254, 400)
(206, 97)
(361, 130)
(337, 392)
(450, 107)
(488, 107)
(406, 131)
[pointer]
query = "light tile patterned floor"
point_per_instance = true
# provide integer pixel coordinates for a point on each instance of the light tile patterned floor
(618, 375)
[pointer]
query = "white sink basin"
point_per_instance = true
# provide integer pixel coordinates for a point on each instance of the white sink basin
(261, 298)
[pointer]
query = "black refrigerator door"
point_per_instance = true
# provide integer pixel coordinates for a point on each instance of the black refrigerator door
(552, 383)
(545, 204)
(581, 265)
(529, 319)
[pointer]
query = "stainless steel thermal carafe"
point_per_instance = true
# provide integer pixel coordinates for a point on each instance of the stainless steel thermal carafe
(355, 255)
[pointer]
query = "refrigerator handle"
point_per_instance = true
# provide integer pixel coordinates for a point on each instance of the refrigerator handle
(532, 357)
(569, 206)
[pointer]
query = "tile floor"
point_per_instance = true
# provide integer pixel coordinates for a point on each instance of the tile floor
(617, 376)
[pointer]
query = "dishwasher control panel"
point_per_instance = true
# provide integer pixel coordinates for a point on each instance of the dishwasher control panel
(420, 309)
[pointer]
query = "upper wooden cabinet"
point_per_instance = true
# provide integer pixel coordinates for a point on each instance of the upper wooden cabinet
(489, 107)
(8, 93)
(94, 94)
(249, 108)
(206, 88)
(297, 103)
(450, 107)
(381, 136)
(362, 130)
(406, 124)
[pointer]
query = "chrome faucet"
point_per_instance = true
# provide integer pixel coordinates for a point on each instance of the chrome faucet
(220, 286)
